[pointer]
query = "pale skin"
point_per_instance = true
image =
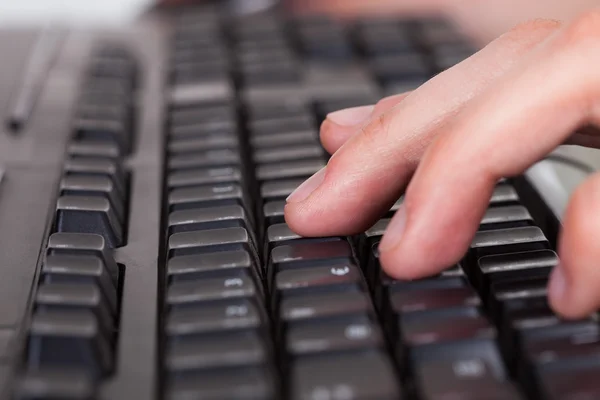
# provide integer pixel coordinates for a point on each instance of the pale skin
(493, 115)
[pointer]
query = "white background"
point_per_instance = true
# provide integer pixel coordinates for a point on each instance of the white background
(72, 11)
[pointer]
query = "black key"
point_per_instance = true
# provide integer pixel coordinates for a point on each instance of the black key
(279, 189)
(204, 177)
(280, 234)
(285, 123)
(575, 383)
(273, 211)
(203, 290)
(510, 240)
(211, 118)
(214, 141)
(285, 139)
(324, 305)
(205, 159)
(208, 218)
(285, 71)
(506, 217)
(231, 315)
(54, 384)
(209, 241)
(510, 296)
(283, 154)
(78, 214)
(504, 194)
(317, 279)
(408, 301)
(402, 67)
(184, 268)
(250, 383)
(96, 167)
(313, 254)
(80, 269)
(204, 129)
(207, 196)
(83, 244)
(102, 186)
(361, 375)
(69, 339)
(514, 266)
(289, 169)
(104, 130)
(339, 334)
(77, 296)
(467, 378)
(94, 150)
(215, 90)
(234, 349)
(288, 108)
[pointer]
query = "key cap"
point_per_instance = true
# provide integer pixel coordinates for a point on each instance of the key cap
(432, 299)
(506, 267)
(197, 291)
(184, 268)
(207, 196)
(69, 339)
(283, 154)
(87, 149)
(205, 128)
(273, 211)
(96, 167)
(212, 118)
(207, 219)
(204, 177)
(305, 280)
(209, 241)
(289, 169)
(215, 91)
(104, 130)
(83, 244)
(216, 141)
(80, 269)
(241, 384)
(77, 296)
(55, 384)
(205, 159)
(78, 214)
(279, 189)
(570, 384)
(235, 349)
(504, 193)
(511, 240)
(235, 314)
(324, 305)
(313, 254)
(463, 378)
(397, 68)
(94, 186)
(284, 139)
(340, 334)
(363, 375)
(506, 217)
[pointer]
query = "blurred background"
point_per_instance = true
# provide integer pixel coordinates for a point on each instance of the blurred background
(72, 11)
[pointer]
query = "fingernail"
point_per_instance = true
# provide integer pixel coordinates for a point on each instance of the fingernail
(395, 230)
(351, 116)
(307, 187)
(558, 284)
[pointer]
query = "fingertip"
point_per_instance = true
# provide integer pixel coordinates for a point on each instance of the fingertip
(333, 136)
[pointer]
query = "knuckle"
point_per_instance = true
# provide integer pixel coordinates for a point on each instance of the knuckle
(376, 127)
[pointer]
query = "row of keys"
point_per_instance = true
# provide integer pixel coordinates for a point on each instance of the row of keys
(94, 188)
(73, 331)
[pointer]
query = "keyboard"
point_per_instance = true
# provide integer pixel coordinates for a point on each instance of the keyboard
(143, 246)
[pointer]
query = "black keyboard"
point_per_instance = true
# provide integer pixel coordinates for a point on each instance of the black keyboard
(144, 251)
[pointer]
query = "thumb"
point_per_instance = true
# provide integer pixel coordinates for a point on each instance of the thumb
(574, 290)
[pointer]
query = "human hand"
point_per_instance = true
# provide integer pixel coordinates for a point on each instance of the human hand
(492, 116)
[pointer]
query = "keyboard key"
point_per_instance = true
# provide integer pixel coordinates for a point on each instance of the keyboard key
(310, 254)
(206, 128)
(205, 159)
(274, 213)
(289, 169)
(510, 240)
(94, 150)
(506, 217)
(83, 244)
(95, 186)
(204, 177)
(209, 241)
(216, 351)
(208, 218)
(80, 269)
(348, 333)
(570, 383)
(305, 280)
(324, 305)
(284, 139)
(364, 375)
(279, 189)
(197, 291)
(283, 154)
(209, 119)
(215, 141)
(55, 384)
(71, 340)
(96, 167)
(184, 268)
(285, 123)
(231, 315)
(250, 383)
(104, 130)
(504, 194)
(207, 196)
(432, 299)
(78, 214)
